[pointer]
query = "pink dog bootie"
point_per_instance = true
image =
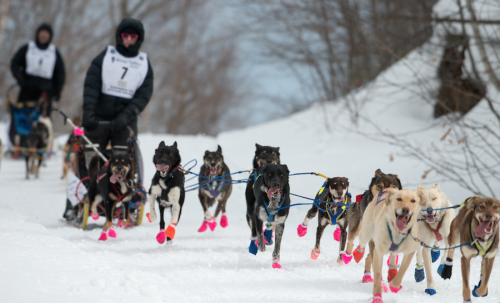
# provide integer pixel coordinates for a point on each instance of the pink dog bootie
(203, 226)
(367, 278)
(223, 220)
(94, 216)
(377, 298)
(160, 237)
(112, 232)
(346, 258)
(384, 287)
(302, 230)
(212, 224)
(276, 263)
(103, 236)
(395, 290)
(336, 235)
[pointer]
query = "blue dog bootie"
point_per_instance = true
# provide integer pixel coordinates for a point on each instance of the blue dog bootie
(440, 269)
(268, 234)
(435, 253)
(253, 248)
(474, 293)
(430, 291)
(419, 273)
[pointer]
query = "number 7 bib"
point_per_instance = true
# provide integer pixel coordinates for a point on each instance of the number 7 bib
(122, 76)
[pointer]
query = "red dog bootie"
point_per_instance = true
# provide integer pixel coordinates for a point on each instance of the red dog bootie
(223, 220)
(336, 236)
(170, 232)
(112, 232)
(160, 237)
(391, 274)
(367, 278)
(358, 254)
(302, 230)
(103, 236)
(315, 254)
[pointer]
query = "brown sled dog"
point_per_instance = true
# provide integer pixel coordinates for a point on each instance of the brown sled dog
(379, 182)
(334, 190)
(476, 223)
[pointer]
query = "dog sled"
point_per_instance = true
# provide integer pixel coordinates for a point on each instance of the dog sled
(24, 116)
(78, 206)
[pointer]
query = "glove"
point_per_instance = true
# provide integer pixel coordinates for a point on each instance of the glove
(89, 120)
(122, 120)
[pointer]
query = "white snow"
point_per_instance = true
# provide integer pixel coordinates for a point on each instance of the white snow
(44, 260)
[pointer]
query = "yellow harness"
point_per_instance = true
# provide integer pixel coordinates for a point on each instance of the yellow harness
(333, 220)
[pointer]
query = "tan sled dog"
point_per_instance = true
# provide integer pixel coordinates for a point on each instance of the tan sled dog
(434, 228)
(388, 221)
(476, 223)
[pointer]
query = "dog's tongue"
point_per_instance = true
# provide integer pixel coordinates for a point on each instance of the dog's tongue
(213, 169)
(161, 167)
(480, 230)
(401, 222)
(271, 191)
(429, 219)
(114, 177)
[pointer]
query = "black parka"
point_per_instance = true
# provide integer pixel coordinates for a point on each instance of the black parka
(98, 105)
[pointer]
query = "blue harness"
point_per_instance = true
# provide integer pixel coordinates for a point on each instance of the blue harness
(274, 212)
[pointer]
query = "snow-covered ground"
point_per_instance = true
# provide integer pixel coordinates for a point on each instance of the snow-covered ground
(44, 260)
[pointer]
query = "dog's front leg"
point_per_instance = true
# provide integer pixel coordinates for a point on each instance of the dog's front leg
(126, 214)
(465, 278)
(322, 223)
(277, 245)
(396, 282)
(154, 191)
(173, 197)
(343, 238)
(486, 268)
(260, 238)
(426, 254)
(377, 271)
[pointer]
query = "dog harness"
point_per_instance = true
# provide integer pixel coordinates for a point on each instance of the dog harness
(119, 195)
(436, 232)
(274, 212)
(395, 246)
(380, 193)
(217, 190)
(333, 217)
(467, 201)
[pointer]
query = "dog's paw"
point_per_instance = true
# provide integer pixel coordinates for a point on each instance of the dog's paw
(315, 254)
(346, 258)
(447, 268)
(276, 263)
(358, 254)
(377, 298)
(430, 291)
(212, 224)
(391, 274)
(203, 226)
(103, 236)
(94, 215)
(112, 232)
(367, 278)
(336, 235)
(302, 230)
(170, 232)
(253, 249)
(151, 217)
(268, 235)
(160, 237)
(435, 253)
(440, 269)
(395, 290)
(419, 274)
(384, 287)
(223, 221)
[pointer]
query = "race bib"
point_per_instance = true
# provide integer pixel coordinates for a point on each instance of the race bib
(75, 190)
(122, 76)
(40, 62)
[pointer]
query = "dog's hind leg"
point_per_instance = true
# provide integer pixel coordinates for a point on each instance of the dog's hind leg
(37, 167)
(302, 228)
(322, 223)
(377, 270)
(162, 220)
(368, 263)
(277, 245)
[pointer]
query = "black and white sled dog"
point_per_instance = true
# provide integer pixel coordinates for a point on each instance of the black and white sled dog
(217, 187)
(272, 193)
(113, 185)
(263, 155)
(167, 187)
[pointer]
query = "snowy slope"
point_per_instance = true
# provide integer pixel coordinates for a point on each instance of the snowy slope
(43, 260)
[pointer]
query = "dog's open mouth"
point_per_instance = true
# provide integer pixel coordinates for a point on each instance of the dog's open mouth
(430, 218)
(401, 221)
(116, 176)
(274, 194)
(162, 168)
(485, 227)
(213, 170)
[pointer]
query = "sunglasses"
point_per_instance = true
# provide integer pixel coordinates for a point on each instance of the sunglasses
(126, 36)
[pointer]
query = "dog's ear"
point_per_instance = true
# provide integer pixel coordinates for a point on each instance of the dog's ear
(420, 194)
(257, 146)
(472, 202)
(286, 168)
(438, 187)
(175, 144)
(277, 148)
(420, 186)
(390, 191)
(219, 149)
(207, 152)
(378, 173)
(162, 144)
